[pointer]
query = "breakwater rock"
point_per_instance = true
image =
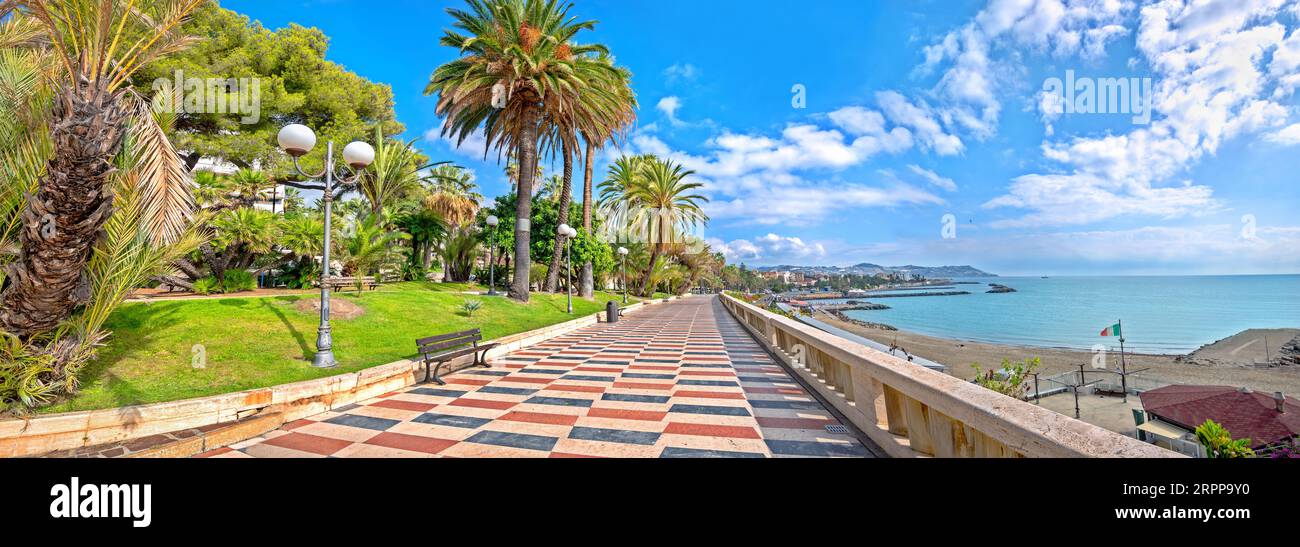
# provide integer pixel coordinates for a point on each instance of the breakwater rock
(996, 288)
(1290, 353)
(854, 305)
(932, 293)
(866, 324)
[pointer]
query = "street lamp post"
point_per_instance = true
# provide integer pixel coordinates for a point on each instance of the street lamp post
(622, 252)
(297, 140)
(492, 222)
(568, 233)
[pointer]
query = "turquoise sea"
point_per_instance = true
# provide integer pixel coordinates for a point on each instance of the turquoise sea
(1170, 315)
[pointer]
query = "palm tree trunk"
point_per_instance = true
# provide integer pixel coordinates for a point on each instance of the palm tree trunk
(566, 197)
(524, 203)
(645, 281)
(215, 264)
(65, 217)
(588, 282)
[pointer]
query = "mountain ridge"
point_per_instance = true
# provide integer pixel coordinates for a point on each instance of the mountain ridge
(867, 268)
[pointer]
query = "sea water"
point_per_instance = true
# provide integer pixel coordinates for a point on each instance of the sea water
(1170, 315)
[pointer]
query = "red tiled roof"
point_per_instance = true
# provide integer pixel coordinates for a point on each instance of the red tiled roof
(1242, 413)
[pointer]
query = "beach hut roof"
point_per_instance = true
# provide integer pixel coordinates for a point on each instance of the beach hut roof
(1242, 412)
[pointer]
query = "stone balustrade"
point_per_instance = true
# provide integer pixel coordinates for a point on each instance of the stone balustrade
(911, 411)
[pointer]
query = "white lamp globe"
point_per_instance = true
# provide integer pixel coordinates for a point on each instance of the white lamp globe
(563, 230)
(573, 232)
(622, 251)
(493, 221)
(297, 139)
(358, 155)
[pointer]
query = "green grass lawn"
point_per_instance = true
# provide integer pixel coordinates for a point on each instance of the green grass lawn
(261, 342)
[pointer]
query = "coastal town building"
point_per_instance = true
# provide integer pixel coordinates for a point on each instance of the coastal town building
(270, 199)
(1173, 413)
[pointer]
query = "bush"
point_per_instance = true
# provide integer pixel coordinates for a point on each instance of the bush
(483, 277)
(1218, 442)
(239, 281)
(470, 306)
(1010, 379)
(207, 285)
(300, 274)
(413, 272)
(23, 375)
(537, 274)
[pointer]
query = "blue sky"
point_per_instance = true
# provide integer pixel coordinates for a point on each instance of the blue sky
(919, 110)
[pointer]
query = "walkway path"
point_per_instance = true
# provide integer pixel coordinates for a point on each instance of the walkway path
(681, 379)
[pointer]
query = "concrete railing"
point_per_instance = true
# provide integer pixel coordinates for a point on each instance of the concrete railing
(911, 411)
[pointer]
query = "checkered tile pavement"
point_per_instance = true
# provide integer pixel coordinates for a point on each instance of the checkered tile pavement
(681, 379)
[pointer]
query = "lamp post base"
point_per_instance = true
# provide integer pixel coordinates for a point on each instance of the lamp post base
(324, 349)
(324, 359)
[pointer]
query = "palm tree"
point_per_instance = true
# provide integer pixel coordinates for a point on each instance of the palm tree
(96, 47)
(452, 194)
(365, 246)
(243, 234)
(395, 173)
(624, 106)
(426, 229)
(512, 174)
(520, 55)
(655, 203)
(600, 109)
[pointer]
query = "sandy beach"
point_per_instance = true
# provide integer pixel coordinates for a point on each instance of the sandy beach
(959, 355)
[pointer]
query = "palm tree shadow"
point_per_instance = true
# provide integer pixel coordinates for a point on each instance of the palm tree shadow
(129, 335)
(307, 352)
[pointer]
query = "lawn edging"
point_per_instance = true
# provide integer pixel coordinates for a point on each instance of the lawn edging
(46, 434)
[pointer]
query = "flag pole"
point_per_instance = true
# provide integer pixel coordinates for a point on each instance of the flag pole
(1123, 366)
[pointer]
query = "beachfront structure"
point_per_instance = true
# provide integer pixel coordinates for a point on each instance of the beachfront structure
(1174, 412)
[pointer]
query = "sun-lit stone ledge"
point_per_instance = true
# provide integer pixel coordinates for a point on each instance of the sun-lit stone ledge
(72, 430)
(911, 411)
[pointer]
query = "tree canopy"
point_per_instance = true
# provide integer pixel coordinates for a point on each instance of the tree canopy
(296, 84)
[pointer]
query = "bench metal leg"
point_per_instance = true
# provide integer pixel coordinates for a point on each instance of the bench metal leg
(434, 377)
(480, 359)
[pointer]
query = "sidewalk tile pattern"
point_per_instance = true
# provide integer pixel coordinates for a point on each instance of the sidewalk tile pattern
(676, 380)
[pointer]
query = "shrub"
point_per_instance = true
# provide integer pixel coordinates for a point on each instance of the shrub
(239, 281)
(1218, 442)
(300, 274)
(1010, 379)
(470, 306)
(23, 372)
(537, 274)
(484, 277)
(207, 285)
(413, 272)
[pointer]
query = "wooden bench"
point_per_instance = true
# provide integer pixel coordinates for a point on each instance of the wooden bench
(445, 347)
(339, 283)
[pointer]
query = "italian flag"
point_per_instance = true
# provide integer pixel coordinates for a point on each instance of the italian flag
(1112, 330)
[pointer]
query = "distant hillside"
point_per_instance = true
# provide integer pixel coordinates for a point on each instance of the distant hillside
(867, 268)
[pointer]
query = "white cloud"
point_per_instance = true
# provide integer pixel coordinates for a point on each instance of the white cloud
(669, 106)
(1080, 199)
(680, 72)
(1214, 81)
(934, 178)
(769, 249)
(967, 89)
(1290, 135)
(920, 119)
(857, 120)
(472, 147)
(1218, 248)
(751, 179)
